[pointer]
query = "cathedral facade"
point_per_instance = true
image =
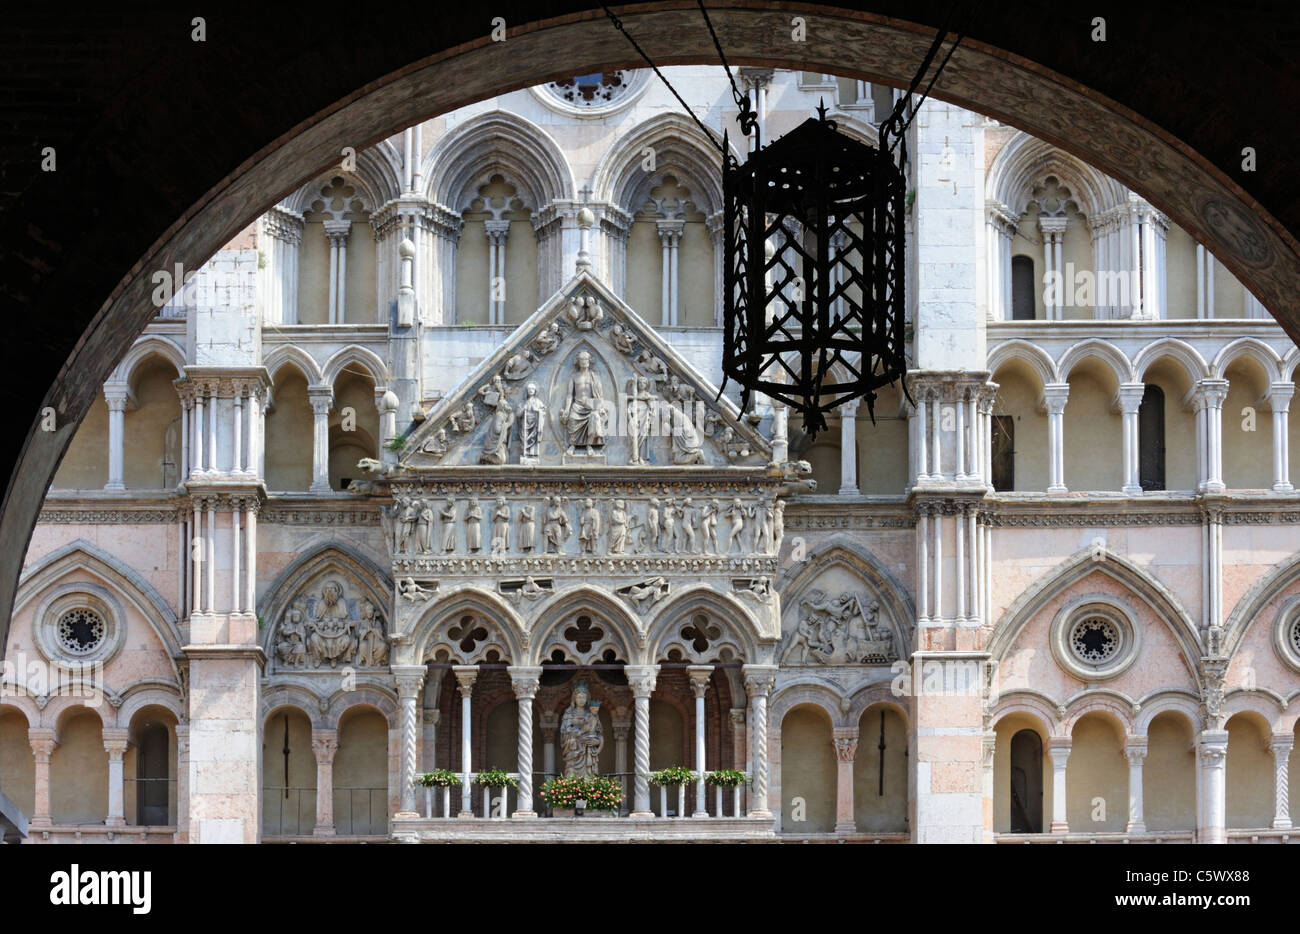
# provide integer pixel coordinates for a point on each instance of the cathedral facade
(422, 505)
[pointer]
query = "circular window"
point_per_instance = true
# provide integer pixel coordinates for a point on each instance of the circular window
(599, 92)
(1295, 635)
(1094, 640)
(1095, 637)
(1286, 633)
(80, 631)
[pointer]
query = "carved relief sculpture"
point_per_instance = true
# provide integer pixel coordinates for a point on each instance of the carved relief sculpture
(448, 515)
(556, 526)
(474, 525)
(641, 404)
(843, 630)
(533, 422)
(683, 437)
(291, 648)
(618, 523)
(520, 365)
(410, 590)
(589, 527)
(435, 444)
(549, 339)
(582, 415)
(372, 647)
(500, 527)
(424, 523)
(668, 527)
(645, 594)
(497, 440)
(737, 515)
(622, 338)
(709, 527)
(527, 528)
(585, 312)
(581, 735)
(329, 631)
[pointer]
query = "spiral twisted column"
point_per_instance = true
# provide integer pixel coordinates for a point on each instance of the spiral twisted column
(1281, 748)
(758, 685)
(524, 682)
(410, 681)
(641, 678)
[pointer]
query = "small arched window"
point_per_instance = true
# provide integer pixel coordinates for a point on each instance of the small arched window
(1022, 288)
(1026, 782)
(151, 776)
(1151, 439)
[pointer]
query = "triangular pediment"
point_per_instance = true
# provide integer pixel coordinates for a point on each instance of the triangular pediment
(585, 382)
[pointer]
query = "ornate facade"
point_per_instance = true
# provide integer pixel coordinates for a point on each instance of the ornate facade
(430, 470)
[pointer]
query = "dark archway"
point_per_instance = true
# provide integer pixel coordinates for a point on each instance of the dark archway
(163, 156)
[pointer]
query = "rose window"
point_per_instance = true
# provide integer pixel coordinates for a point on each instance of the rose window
(1295, 636)
(594, 90)
(1095, 640)
(80, 631)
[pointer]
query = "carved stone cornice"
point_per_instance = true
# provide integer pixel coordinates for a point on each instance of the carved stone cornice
(283, 225)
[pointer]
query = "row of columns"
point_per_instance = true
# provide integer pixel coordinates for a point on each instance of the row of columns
(524, 680)
(959, 413)
(1212, 754)
(670, 238)
(116, 742)
(201, 556)
(972, 540)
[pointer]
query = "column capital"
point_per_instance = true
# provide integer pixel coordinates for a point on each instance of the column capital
(699, 676)
(431, 716)
(410, 679)
(1051, 225)
(1281, 743)
(115, 747)
(523, 681)
(850, 408)
(43, 743)
(1214, 747)
(1135, 752)
(324, 743)
(641, 678)
(759, 679)
(321, 398)
(466, 675)
(549, 720)
(1058, 747)
(1054, 397)
(621, 718)
(845, 741)
(118, 396)
(1279, 396)
(338, 230)
(1210, 392)
(1129, 396)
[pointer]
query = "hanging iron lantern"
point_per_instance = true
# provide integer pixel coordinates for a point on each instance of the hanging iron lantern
(814, 270)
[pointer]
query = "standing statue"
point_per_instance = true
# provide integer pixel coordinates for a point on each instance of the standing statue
(496, 442)
(556, 526)
(410, 513)
(686, 518)
(501, 527)
(709, 528)
(618, 528)
(372, 648)
(589, 527)
(474, 525)
(527, 528)
(448, 515)
(582, 415)
(737, 514)
(668, 528)
(778, 525)
(424, 526)
(581, 735)
(652, 525)
(533, 421)
(641, 403)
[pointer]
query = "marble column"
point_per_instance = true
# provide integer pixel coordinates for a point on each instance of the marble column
(325, 744)
(550, 724)
(466, 675)
(196, 447)
(1281, 749)
(699, 677)
(739, 747)
(1130, 399)
(1135, 753)
(849, 448)
(524, 682)
(43, 745)
(322, 400)
(1279, 400)
(1055, 395)
(1209, 397)
(337, 232)
(1059, 749)
(410, 681)
(759, 680)
(115, 743)
(641, 678)
(845, 740)
(116, 397)
(1213, 755)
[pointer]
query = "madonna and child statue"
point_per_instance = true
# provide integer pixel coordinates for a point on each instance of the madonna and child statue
(581, 735)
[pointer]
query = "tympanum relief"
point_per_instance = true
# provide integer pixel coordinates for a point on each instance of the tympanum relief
(845, 629)
(326, 628)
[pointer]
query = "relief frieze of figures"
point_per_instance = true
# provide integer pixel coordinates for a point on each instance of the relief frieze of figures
(845, 629)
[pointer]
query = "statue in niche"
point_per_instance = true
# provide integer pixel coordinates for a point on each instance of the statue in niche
(410, 590)
(474, 525)
(497, 440)
(641, 404)
(291, 648)
(581, 735)
(585, 312)
(549, 339)
(501, 527)
(464, 419)
(839, 630)
(668, 527)
(435, 444)
(532, 423)
(618, 523)
(652, 525)
(582, 415)
(556, 526)
(372, 648)
(410, 513)
(645, 594)
(527, 528)
(448, 516)
(329, 631)
(737, 514)
(424, 523)
(762, 515)
(520, 365)
(709, 527)
(686, 518)
(589, 527)
(682, 435)
(622, 338)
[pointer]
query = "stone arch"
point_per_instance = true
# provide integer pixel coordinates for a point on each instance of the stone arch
(1032, 355)
(1187, 356)
(498, 142)
(296, 697)
(1263, 706)
(17, 699)
(678, 145)
(1289, 362)
(830, 701)
(1268, 359)
(878, 692)
(621, 630)
(370, 361)
(151, 693)
(1140, 584)
(341, 558)
(1114, 706)
(1184, 703)
(119, 578)
(62, 709)
(1025, 159)
(1035, 706)
(376, 180)
(796, 580)
(1250, 608)
(374, 697)
(729, 632)
(439, 634)
(295, 356)
(1107, 353)
(151, 346)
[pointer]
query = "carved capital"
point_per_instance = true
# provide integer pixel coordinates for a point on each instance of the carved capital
(466, 675)
(759, 679)
(523, 681)
(699, 676)
(845, 741)
(410, 680)
(641, 679)
(324, 743)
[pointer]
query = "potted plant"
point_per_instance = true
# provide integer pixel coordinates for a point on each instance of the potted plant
(678, 775)
(495, 778)
(603, 795)
(727, 778)
(445, 779)
(562, 794)
(574, 795)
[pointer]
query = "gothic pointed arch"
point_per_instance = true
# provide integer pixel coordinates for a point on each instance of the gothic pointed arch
(294, 356)
(1139, 583)
(355, 355)
(1256, 604)
(376, 178)
(678, 146)
(151, 346)
(468, 626)
(1032, 355)
(1191, 361)
(585, 625)
(1268, 359)
(701, 626)
(503, 143)
(1025, 160)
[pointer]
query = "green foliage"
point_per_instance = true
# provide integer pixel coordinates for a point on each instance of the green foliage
(438, 778)
(726, 778)
(600, 792)
(397, 443)
(677, 775)
(496, 778)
